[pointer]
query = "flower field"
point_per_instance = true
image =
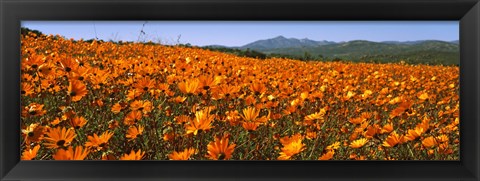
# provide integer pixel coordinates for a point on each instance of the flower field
(132, 101)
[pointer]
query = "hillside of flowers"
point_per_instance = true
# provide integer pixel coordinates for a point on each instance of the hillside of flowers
(134, 101)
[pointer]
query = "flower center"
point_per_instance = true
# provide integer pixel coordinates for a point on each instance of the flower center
(32, 112)
(221, 156)
(60, 142)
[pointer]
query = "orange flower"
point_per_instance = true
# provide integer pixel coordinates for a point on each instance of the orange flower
(189, 86)
(333, 146)
(78, 122)
(292, 148)
(423, 96)
(225, 91)
(203, 120)
(327, 156)
(429, 142)
(132, 94)
(311, 134)
(144, 106)
(33, 61)
(133, 155)
(98, 143)
(220, 149)
(250, 126)
(59, 137)
(77, 90)
(45, 70)
(182, 119)
(183, 155)
(68, 64)
(250, 114)
(292, 145)
(393, 139)
(401, 108)
(208, 82)
(33, 133)
(30, 154)
(232, 117)
(112, 124)
(132, 117)
(425, 124)
(34, 109)
(371, 131)
(387, 128)
(358, 120)
(168, 136)
(79, 154)
(116, 108)
(413, 134)
(178, 99)
(144, 84)
(26, 89)
(133, 132)
(258, 88)
(442, 138)
(315, 116)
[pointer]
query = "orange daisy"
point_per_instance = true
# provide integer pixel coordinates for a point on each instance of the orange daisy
(203, 120)
(98, 143)
(59, 137)
(78, 154)
(133, 132)
(30, 154)
(220, 149)
(77, 90)
(133, 155)
(182, 155)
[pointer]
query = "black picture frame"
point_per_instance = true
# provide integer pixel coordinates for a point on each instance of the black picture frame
(14, 11)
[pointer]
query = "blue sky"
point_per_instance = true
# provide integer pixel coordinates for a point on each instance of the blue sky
(238, 33)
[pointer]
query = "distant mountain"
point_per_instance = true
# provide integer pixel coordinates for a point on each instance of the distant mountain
(421, 51)
(217, 46)
(429, 51)
(282, 42)
(456, 41)
(404, 42)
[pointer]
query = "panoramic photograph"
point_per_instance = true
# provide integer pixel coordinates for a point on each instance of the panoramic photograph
(240, 90)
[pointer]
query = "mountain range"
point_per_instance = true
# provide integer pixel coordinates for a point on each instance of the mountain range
(421, 51)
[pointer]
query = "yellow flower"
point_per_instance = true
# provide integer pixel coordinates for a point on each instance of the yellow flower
(358, 143)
